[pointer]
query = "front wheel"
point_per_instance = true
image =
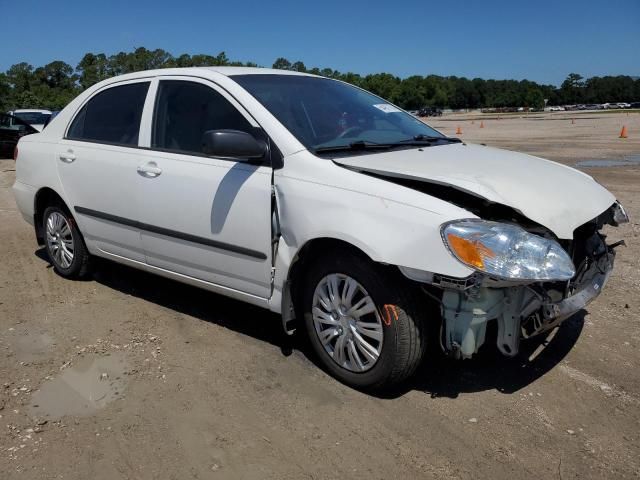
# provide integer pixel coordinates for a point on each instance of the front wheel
(365, 322)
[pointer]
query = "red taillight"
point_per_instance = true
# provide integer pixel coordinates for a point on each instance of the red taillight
(15, 153)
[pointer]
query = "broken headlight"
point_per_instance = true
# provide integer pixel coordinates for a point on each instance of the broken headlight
(507, 251)
(619, 214)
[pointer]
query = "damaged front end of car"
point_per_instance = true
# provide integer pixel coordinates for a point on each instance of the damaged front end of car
(525, 279)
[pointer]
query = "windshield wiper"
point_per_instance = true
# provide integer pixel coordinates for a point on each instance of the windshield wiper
(426, 138)
(357, 145)
(418, 140)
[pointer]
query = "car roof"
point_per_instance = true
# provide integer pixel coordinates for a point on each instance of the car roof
(228, 71)
(207, 71)
(30, 110)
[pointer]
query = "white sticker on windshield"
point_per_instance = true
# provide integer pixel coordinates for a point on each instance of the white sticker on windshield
(387, 108)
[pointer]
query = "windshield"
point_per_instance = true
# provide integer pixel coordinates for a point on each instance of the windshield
(33, 118)
(323, 113)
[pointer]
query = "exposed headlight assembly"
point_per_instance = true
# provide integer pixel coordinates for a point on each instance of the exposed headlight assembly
(507, 251)
(619, 214)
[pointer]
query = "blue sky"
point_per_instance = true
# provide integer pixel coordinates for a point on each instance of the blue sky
(541, 40)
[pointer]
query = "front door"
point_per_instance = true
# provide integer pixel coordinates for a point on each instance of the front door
(202, 217)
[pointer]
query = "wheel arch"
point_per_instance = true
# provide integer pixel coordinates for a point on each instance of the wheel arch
(304, 256)
(45, 197)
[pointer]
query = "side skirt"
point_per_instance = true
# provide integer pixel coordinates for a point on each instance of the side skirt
(212, 287)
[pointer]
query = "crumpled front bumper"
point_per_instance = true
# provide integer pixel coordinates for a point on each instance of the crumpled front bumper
(592, 281)
(520, 311)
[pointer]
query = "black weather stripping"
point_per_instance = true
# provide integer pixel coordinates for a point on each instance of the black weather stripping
(170, 233)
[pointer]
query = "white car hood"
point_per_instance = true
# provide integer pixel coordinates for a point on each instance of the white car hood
(553, 195)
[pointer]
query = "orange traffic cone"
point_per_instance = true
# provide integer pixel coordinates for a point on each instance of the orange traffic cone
(623, 132)
(481, 124)
(459, 131)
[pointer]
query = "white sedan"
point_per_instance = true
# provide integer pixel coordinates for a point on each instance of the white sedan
(359, 223)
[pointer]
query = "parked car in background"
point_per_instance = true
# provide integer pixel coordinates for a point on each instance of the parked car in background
(623, 105)
(11, 130)
(429, 112)
(34, 117)
(634, 105)
(360, 224)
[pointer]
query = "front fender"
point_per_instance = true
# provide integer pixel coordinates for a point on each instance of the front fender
(395, 225)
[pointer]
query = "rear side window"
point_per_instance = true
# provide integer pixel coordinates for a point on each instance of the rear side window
(112, 116)
(185, 110)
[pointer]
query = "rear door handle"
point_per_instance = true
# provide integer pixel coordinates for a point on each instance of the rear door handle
(149, 170)
(67, 157)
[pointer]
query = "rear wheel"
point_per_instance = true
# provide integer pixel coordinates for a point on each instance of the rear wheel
(365, 322)
(64, 243)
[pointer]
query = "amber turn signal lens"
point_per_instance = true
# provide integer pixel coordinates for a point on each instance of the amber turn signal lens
(469, 251)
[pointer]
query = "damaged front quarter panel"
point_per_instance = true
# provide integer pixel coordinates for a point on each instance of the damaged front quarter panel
(399, 226)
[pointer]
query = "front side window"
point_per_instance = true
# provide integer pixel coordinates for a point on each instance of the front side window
(323, 113)
(186, 110)
(112, 116)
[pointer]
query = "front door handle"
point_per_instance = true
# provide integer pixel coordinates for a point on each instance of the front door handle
(149, 170)
(67, 157)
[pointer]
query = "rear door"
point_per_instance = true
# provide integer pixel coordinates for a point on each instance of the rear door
(97, 164)
(203, 217)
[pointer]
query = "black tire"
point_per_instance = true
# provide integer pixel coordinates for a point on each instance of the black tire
(80, 265)
(400, 306)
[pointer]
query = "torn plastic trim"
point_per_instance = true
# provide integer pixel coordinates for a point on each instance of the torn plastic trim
(588, 284)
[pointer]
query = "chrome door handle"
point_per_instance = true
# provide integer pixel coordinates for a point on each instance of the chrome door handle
(149, 170)
(67, 157)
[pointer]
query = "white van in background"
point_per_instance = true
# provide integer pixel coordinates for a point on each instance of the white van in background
(34, 117)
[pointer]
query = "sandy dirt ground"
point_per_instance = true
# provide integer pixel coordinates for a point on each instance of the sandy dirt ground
(130, 376)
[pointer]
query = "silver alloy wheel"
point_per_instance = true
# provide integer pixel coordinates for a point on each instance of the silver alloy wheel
(60, 240)
(347, 322)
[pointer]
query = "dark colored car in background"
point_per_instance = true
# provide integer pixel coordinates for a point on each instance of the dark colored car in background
(429, 112)
(11, 130)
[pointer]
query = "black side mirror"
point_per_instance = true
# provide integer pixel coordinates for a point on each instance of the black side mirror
(235, 144)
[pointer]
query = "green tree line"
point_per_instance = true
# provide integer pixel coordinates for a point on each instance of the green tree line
(54, 85)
